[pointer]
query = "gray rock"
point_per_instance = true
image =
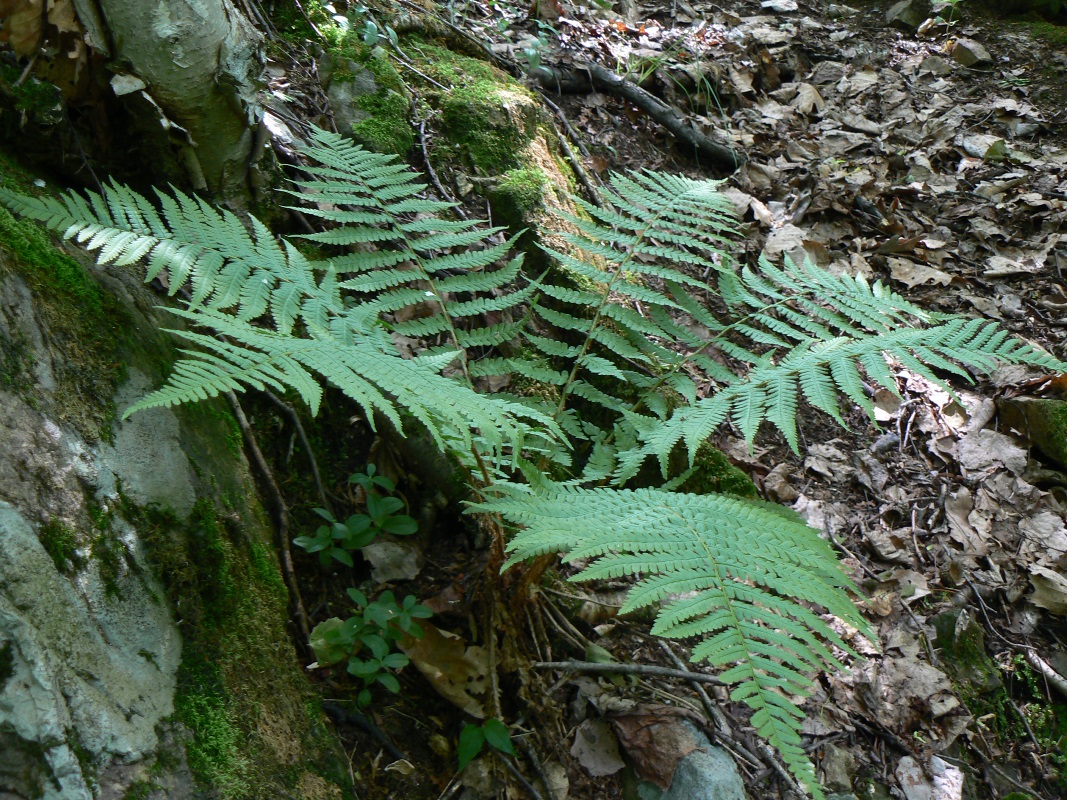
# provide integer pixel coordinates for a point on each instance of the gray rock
(838, 767)
(77, 660)
(936, 65)
(908, 14)
(345, 89)
(708, 773)
(393, 561)
(971, 54)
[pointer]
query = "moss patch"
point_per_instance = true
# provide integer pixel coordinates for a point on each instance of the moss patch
(385, 127)
(489, 116)
(85, 324)
(61, 543)
(241, 693)
(521, 192)
(715, 474)
(386, 130)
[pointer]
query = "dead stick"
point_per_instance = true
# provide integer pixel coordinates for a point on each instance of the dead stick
(666, 115)
(290, 412)
(636, 669)
(1046, 671)
(281, 513)
(713, 711)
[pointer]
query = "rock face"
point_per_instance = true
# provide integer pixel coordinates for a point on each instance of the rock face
(140, 631)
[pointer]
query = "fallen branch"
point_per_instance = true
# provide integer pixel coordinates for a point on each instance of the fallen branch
(635, 669)
(1045, 670)
(598, 77)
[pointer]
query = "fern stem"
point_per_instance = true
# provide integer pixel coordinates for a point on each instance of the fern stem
(673, 369)
(604, 300)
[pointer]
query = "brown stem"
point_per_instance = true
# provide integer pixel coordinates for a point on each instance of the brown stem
(281, 517)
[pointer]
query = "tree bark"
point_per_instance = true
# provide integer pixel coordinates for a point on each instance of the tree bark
(200, 62)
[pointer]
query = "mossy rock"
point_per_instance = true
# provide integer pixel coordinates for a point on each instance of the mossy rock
(961, 640)
(1041, 420)
(487, 118)
(150, 528)
(369, 99)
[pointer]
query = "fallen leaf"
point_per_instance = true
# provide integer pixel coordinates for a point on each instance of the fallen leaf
(458, 672)
(596, 748)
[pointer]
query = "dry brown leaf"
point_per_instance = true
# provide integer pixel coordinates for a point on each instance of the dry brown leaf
(457, 671)
(22, 25)
(655, 739)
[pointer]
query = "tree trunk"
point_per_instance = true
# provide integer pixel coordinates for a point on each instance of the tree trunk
(200, 61)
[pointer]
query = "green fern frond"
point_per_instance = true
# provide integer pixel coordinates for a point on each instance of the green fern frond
(821, 371)
(739, 573)
(430, 260)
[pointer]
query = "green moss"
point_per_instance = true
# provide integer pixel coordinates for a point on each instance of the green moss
(85, 324)
(37, 99)
(1055, 35)
(140, 790)
(450, 68)
(215, 753)
(387, 129)
(16, 363)
(240, 692)
(476, 116)
(521, 192)
(486, 113)
(86, 762)
(963, 651)
(715, 473)
(61, 544)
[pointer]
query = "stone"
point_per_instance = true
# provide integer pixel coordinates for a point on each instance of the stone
(971, 54)
(945, 783)
(961, 641)
(838, 768)
(79, 660)
(908, 14)
(393, 561)
(707, 773)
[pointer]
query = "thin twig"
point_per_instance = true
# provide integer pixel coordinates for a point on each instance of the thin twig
(636, 669)
(579, 170)
(360, 720)
(307, 19)
(1046, 671)
(290, 412)
(713, 711)
(536, 795)
(531, 754)
(281, 513)
(789, 780)
(433, 173)
(573, 134)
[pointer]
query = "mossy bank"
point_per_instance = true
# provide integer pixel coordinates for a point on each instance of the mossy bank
(142, 611)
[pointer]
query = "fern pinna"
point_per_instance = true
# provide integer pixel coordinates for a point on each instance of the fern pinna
(280, 319)
(634, 362)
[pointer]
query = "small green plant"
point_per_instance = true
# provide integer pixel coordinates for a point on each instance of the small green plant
(473, 738)
(367, 639)
(336, 540)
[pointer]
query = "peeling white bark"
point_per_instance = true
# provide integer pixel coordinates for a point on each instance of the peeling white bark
(201, 62)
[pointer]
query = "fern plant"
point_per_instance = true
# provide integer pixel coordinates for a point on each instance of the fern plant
(630, 358)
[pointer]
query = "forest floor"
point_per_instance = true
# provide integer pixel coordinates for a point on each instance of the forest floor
(872, 150)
